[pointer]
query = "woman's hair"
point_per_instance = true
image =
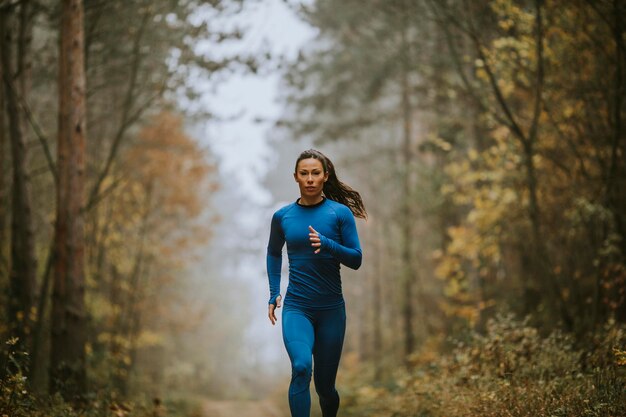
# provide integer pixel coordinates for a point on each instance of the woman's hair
(335, 189)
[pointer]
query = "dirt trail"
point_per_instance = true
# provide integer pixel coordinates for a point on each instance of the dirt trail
(221, 408)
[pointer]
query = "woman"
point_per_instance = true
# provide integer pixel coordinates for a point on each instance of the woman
(321, 234)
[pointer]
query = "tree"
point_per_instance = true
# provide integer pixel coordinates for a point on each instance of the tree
(69, 331)
(533, 191)
(155, 220)
(4, 263)
(23, 265)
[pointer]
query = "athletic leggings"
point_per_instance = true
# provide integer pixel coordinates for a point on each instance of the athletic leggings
(313, 336)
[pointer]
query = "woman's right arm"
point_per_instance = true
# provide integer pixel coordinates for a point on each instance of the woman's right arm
(274, 263)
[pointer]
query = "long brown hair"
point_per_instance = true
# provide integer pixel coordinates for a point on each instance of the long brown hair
(335, 189)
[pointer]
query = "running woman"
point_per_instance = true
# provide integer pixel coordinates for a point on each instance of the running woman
(321, 234)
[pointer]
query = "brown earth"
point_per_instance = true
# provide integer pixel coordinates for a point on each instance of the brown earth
(224, 408)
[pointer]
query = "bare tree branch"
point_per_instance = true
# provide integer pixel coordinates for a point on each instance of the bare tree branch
(102, 194)
(127, 120)
(539, 81)
(43, 138)
(439, 9)
(94, 197)
(504, 106)
(7, 4)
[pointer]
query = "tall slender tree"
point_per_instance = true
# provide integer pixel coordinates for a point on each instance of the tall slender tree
(68, 321)
(3, 191)
(23, 262)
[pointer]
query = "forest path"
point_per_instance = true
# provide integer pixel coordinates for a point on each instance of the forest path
(224, 408)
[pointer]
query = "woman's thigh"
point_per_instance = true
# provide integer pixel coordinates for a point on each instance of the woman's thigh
(298, 334)
(330, 329)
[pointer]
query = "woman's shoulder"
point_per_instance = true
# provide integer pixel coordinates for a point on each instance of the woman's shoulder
(282, 210)
(341, 210)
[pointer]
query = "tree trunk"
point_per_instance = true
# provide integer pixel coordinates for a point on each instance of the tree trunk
(38, 370)
(407, 221)
(4, 264)
(23, 262)
(365, 316)
(377, 305)
(68, 321)
(130, 321)
(614, 198)
(24, 56)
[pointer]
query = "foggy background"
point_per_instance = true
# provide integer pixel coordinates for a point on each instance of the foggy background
(256, 163)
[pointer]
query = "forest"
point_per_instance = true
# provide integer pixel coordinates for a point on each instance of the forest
(487, 139)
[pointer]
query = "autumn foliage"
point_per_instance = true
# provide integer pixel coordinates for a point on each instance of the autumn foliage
(147, 231)
(510, 370)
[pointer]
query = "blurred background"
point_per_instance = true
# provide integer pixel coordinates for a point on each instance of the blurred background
(144, 146)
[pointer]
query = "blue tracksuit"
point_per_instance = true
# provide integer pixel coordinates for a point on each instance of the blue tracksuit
(314, 317)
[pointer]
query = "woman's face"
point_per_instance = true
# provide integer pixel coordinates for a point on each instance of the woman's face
(310, 177)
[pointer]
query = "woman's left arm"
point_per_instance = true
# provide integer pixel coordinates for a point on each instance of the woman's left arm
(349, 253)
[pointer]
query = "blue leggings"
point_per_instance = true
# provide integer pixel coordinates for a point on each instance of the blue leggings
(313, 335)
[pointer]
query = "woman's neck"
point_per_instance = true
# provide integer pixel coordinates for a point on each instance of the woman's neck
(310, 201)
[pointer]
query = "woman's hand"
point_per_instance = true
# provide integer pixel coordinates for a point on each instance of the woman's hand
(272, 310)
(314, 237)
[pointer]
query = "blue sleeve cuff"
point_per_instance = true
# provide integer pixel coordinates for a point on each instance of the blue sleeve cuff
(273, 299)
(350, 257)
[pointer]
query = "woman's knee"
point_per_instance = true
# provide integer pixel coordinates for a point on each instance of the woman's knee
(300, 376)
(302, 367)
(325, 382)
(326, 392)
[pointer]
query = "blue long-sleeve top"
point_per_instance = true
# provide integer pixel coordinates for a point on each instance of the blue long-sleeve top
(314, 279)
